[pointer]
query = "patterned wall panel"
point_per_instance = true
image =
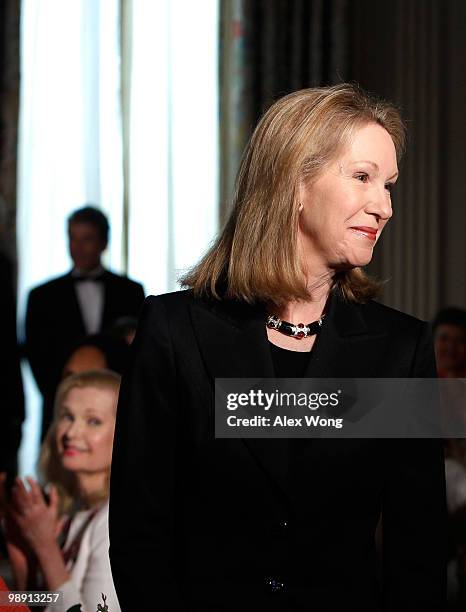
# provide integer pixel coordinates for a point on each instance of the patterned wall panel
(9, 92)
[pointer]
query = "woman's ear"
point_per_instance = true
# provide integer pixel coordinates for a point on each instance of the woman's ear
(301, 195)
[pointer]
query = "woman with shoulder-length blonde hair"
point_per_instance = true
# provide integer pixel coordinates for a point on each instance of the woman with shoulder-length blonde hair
(75, 464)
(280, 524)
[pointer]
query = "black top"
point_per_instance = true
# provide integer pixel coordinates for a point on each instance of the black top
(288, 363)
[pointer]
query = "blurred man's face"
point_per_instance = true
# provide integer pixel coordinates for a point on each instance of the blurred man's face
(86, 245)
(450, 347)
(83, 359)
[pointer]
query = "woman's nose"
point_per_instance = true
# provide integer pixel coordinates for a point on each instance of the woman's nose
(73, 430)
(380, 204)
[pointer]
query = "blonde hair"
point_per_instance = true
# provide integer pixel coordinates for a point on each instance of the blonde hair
(255, 258)
(50, 465)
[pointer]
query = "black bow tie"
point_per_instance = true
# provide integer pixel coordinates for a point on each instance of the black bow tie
(83, 277)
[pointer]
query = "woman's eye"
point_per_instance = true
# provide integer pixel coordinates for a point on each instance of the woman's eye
(94, 422)
(362, 177)
(66, 417)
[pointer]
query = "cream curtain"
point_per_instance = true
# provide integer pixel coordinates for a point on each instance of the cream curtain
(170, 100)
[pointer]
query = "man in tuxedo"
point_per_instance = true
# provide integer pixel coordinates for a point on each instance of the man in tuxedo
(87, 300)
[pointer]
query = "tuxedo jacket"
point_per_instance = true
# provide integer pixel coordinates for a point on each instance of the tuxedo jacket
(205, 524)
(54, 324)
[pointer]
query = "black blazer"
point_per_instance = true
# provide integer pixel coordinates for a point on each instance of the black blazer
(54, 323)
(205, 524)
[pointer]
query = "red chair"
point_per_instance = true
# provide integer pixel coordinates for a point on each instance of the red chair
(9, 608)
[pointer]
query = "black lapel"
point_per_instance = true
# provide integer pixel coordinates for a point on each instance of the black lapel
(233, 342)
(349, 345)
(233, 339)
(346, 345)
(71, 308)
(109, 299)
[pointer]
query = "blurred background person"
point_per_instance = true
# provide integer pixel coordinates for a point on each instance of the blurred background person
(455, 475)
(97, 352)
(12, 399)
(87, 300)
(449, 330)
(75, 464)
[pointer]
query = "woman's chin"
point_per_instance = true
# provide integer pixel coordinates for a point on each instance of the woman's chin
(71, 464)
(351, 263)
(361, 258)
(351, 255)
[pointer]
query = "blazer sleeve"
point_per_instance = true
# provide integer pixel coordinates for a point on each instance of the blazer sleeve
(37, 341)
(414, 516)
(143, 470)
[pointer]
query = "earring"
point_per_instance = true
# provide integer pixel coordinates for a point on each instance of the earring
(300, 207)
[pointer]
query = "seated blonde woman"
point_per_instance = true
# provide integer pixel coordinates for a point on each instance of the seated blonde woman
(75, 461)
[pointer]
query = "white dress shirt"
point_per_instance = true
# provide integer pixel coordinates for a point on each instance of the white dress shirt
(90, 295)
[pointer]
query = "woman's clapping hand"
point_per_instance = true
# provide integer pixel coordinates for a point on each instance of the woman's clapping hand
(36, 519)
